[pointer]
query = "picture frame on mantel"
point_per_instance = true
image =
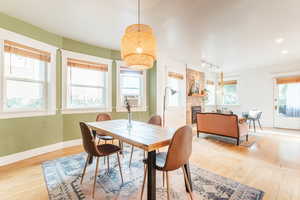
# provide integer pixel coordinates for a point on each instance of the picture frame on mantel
(195, 88)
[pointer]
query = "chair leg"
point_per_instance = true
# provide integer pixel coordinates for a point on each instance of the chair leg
(107, 164)
(104, 158)
(187, 182)
(120, 168)
(249, 124)
(163, 178)
(131, 156)
(96, 171)
(144, 181)
(247, 137)
(86, 162)
(168, 186)
(254, 126)
(259, 124)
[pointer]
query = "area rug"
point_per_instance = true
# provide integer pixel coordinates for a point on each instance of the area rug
(62, 177)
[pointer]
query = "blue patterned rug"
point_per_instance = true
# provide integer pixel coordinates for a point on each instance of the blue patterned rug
(62, 177)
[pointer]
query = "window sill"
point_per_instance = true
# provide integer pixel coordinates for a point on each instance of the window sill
(135, 109)
(10, 115)
(67, 111)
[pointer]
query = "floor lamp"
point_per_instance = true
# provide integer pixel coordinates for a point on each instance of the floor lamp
(164, 105)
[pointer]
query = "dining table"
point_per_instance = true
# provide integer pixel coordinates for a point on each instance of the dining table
(144, 136)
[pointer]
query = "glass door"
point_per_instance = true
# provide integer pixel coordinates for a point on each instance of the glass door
(287, 103)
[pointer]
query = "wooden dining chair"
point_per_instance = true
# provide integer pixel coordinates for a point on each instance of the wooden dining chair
(154, 120)
(93, 149)
(178, 155)
(101, 136)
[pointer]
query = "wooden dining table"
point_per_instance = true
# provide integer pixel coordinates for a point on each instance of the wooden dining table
(142, 135)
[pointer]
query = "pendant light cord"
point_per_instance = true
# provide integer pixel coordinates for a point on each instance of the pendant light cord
(139, 14)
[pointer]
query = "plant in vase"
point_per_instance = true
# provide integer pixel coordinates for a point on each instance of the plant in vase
(128, 107)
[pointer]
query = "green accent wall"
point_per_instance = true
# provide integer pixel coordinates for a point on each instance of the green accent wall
(21, 134)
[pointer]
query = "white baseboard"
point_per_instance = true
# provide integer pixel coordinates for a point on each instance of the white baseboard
(72, 143)
(5, 160)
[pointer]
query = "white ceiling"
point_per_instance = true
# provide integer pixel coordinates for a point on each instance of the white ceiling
(234, 34)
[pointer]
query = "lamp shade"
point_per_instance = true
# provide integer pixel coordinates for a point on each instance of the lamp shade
(138, 47)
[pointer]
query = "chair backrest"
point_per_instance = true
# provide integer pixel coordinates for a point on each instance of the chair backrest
(255, 114)
(103, 117)
(259, 115)
(180, 148)
(217, 123)
(155, 120)
(88, 140)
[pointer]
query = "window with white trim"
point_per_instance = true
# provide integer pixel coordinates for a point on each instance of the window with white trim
(230, 95)
(131, 85)
(28, 68)
(86, 83)
(211, 93)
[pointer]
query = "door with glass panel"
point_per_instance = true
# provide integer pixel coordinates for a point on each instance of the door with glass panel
(175, 115)
(287, 102)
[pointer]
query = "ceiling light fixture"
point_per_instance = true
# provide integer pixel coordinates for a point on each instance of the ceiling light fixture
(284, 52)
(138, 45)
(279, 40)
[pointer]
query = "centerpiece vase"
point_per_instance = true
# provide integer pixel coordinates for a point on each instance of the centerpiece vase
(129, 119)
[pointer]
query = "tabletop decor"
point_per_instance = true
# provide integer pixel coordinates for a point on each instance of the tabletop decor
(128, 107)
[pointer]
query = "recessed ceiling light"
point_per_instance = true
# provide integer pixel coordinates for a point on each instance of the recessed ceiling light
(284, 52)
(279, 40)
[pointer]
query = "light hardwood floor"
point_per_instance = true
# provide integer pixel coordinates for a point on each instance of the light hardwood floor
(272, 164)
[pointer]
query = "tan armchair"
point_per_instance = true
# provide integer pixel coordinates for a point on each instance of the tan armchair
(227, 125)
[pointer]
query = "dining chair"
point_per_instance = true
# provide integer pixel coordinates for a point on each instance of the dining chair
(253, 116)
(93, 149)
(179, 152)
(101, 136)
(154, 120)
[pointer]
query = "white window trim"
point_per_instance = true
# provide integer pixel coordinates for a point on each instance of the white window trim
(50, 95)
(108, 82)
(119, 107)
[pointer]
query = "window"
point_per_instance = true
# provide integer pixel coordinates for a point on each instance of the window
(86, 83)
(175, 83)
(131, 85)
(28, 68)
(289, 96)
(230, 96)
(211, 93)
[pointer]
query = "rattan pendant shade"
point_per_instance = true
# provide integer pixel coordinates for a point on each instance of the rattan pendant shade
(138, 47)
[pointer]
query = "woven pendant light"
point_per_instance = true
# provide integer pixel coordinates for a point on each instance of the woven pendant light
(138, 45)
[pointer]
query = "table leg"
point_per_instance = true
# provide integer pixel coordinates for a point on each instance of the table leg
(151, 186)
(188, 173)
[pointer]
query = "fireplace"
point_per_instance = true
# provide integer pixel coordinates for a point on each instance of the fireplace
(195, 110)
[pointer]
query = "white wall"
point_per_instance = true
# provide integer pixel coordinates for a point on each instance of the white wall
(255, 90)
